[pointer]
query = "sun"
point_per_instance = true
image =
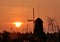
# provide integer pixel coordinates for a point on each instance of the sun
(18, 24)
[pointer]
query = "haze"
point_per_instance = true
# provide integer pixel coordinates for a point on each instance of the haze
(21, 10)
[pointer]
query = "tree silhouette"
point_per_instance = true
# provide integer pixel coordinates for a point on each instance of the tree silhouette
(5, 35)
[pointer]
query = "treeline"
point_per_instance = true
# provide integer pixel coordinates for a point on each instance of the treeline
(26, 37)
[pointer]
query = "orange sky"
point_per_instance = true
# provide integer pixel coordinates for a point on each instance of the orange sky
(21, 10)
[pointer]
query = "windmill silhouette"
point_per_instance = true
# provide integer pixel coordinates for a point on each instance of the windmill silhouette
(38, 28)
(32, 20)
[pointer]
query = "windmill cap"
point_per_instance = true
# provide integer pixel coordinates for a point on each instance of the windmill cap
(39, 20)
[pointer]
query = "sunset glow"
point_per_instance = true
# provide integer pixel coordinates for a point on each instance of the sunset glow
(18, 24)
(12, 12)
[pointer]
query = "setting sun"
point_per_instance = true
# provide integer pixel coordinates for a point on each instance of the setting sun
(18, 24)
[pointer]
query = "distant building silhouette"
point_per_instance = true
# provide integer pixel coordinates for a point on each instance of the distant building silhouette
(38, 30)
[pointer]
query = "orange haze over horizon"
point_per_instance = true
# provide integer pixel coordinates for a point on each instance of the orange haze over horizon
(21, 10)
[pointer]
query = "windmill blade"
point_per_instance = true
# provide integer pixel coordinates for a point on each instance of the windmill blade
(29, 20)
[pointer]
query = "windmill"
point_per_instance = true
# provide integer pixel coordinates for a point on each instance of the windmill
(32, 20)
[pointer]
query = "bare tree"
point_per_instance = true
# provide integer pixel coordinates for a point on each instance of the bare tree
(52, 25)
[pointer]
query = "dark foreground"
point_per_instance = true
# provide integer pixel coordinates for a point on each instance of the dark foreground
(27, 37)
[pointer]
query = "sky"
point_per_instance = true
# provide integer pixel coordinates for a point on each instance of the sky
(21, 10)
